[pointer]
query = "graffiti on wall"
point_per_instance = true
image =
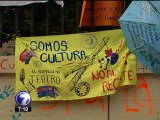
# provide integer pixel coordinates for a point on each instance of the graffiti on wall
(132, 103)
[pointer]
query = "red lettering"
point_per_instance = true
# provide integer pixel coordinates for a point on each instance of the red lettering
(11, 67)
(108, 85)
(67, 107)
(128, 109)
(2, 63)
(113, 74)
(114, 83)
(105, 85)
(129, 74)
(102, 74)
(54, 105)
(110, 73)
(123, 76)
(148, 102)
(94, 76)
(93, 100)
(50, 107)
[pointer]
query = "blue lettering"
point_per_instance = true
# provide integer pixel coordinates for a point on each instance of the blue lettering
(33, 45)
(51, 60)
(41, 46)
(76, 53)
(83, 56)
(56, 46)
(43, 57)
(48, 46)
(64, 44)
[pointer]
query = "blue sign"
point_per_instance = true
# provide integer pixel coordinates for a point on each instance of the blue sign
(23, 98)
(140, 24)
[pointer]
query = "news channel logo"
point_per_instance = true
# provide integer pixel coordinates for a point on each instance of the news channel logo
(23, 102)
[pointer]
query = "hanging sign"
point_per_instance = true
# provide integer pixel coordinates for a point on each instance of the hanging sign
(106, 13)
(140, 25)
(76, 66)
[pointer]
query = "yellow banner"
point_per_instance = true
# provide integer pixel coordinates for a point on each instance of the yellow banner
(76, 66)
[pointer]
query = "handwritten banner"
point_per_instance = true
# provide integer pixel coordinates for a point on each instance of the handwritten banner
(76, 66)
(7, 65)
(105, 13)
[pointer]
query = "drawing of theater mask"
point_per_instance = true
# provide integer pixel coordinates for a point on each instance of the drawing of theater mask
(43, 91)
(26, 55)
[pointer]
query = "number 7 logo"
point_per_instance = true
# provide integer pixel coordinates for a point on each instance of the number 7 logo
(23, 98)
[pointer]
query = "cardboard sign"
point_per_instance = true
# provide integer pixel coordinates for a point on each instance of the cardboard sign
(106, 13)
(141, 27)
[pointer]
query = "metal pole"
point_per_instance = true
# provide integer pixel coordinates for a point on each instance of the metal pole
(92, 15)
(62, 20)
(47, 19)
(16, 21)
(77, 16)
(32, 16)
(124, 5)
